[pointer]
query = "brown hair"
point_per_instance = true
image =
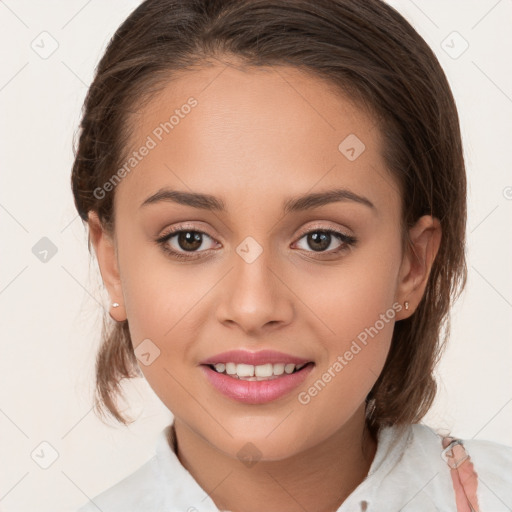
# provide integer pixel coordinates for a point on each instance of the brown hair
(366, 49)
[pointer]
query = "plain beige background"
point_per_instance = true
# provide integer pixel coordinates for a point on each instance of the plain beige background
(50, 310)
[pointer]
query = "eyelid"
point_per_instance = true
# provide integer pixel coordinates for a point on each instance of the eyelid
(183, 227)
(322, 227)
(164, 241)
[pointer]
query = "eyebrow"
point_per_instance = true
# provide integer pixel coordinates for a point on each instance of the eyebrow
(300, 203)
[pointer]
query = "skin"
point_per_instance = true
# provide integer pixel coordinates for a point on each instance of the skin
(256, 138)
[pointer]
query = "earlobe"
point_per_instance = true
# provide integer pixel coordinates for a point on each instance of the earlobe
(420, 253)
(104, 248)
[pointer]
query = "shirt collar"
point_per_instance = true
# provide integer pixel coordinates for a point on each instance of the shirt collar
(180, 489)
(391, 444)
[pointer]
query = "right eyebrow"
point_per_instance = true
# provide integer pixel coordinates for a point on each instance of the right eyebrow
(194, 199)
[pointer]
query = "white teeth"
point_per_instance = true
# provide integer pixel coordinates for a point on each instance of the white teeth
(279, 369)
(256, 373)
(263, 370)
(289, 368)
(220, 367)
(245, 370)
(231, 368)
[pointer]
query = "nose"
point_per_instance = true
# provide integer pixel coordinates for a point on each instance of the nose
(255, 297)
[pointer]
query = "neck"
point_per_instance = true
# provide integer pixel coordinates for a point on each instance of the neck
(319, 478)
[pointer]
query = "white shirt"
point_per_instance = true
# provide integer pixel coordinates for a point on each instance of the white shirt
(406, 475)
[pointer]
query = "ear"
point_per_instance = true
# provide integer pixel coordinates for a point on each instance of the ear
(417, 261)
(105, 250)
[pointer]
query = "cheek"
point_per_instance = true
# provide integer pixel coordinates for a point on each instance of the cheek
(357, 308)
(167, 306)
(361, 316)
(157, 293)
(161, 305)
(351, 297)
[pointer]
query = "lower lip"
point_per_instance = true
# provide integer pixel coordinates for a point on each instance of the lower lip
(256, 392)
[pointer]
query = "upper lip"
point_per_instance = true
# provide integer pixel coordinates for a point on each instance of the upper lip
(254, 358)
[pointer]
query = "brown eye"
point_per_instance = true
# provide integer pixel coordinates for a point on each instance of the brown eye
(326, 241)
(319, 240)
(189, 240)
(182, 241)
(323, 242)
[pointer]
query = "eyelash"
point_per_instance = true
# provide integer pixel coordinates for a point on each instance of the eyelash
(347, 241)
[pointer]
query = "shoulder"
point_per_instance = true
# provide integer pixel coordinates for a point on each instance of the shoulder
(161, 484)
(409, 474)
(135, 492)
(492, 463)
(488, 457)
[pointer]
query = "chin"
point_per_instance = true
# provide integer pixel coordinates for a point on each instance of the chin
(269, 439)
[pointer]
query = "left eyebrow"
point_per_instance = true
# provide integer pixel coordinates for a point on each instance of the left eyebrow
(300, 203)
(309, 201)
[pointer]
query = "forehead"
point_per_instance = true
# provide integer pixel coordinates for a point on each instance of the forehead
(220, 128)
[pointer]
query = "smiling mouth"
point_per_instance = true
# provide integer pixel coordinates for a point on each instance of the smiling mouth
(262, 372)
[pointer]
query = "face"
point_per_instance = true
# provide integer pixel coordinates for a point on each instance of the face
(252, 266)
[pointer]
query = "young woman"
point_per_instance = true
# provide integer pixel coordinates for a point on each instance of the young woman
(275, 192)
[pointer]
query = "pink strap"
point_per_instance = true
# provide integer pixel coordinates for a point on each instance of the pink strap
(464, 477)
